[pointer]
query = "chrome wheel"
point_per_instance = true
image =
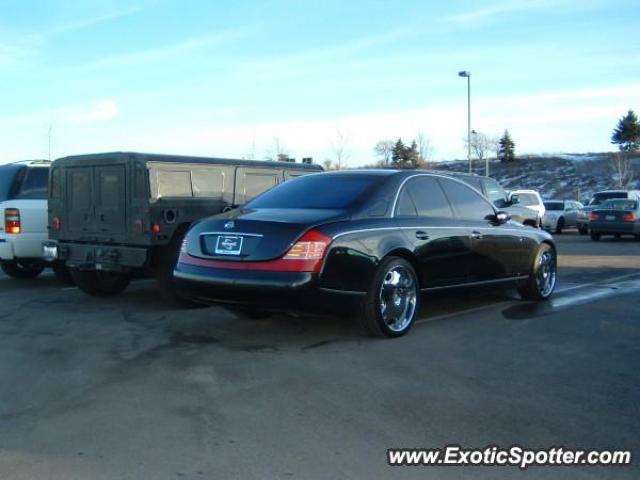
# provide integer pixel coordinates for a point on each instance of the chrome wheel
(546, 273)
(398, 298)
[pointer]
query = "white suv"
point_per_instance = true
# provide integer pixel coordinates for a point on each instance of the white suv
(23, 222)
(532, 200)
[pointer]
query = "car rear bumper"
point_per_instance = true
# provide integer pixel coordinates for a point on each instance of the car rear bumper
(279, 290)
(21, 245)
(615, 227)
(86, 256)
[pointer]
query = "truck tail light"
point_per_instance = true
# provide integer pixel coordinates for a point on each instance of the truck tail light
(629, 217)
(593, 216)
(309, 249)
(12, 220)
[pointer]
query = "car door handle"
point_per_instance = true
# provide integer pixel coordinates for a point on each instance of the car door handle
(422, 235)
(476, 235)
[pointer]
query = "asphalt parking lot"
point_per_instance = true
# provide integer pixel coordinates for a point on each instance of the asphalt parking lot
(128, 388)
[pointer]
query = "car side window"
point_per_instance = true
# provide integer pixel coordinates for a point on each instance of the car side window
(494, 192)
(427, 198)
(406, 207)
(467, 203)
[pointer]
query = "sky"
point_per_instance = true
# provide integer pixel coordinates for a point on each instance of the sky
(233, 78)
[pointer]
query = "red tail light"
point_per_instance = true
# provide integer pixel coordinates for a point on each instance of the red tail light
(629, 217)
(309, 250)
(56, 223)
(593, 216)
(12, 220)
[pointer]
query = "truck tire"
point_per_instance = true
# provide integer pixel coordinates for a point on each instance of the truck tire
(167, 259)
(62, 273)
(22, 269)
(100, 284)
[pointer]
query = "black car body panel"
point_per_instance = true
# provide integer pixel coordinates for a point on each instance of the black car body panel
(445, 252)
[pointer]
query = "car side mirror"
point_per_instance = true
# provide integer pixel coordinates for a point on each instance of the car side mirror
(514, 198)
(502, 218)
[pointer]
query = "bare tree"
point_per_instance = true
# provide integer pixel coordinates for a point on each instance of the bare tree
(277, 151)
(384, 149)
(482, 145)
(340, 149)
(425, 148)
(328, 164)
(620, 165)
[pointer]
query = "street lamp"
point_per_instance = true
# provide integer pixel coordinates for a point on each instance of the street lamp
(467, 74)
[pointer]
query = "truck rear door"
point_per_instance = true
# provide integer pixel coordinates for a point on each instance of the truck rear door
(110, 195)
(80, 200)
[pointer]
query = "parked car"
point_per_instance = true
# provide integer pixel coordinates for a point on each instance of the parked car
(507, 202)
(560, 214)
(372, 240)
(23, 203)
(596, 200)
(615, 217)
(113, 215)
(531, 199)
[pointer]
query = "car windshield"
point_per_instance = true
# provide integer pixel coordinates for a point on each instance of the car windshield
(620, 205)
(554, 205)
(528, 199)
(321, 191)
(598, 198)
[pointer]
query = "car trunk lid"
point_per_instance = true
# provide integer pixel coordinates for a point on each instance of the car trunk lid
(255, 235)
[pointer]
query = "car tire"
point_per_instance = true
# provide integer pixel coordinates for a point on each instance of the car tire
(543, 275)
(392, 302)
(62, 273)
(560, 225)
(100, 283)
(583, 230)
(617, 236)
(165, 265)
(22, 269)
(595, 237)
(637, 237)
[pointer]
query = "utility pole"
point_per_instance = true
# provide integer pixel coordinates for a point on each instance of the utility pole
(466, 74)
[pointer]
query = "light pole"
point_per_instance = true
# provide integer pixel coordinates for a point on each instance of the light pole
(467, 74)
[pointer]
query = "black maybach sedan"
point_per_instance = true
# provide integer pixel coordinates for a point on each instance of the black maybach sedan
(373, 240)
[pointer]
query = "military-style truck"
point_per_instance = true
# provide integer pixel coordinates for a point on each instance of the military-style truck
(115, 215)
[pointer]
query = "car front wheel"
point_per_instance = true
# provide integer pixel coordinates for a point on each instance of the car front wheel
(543, 275)
(22, 269)
(393, 300)
(595, 237)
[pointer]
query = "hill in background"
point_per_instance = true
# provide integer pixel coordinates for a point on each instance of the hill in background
(561, 176)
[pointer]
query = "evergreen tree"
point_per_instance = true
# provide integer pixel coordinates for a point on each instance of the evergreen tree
(627, 133)
(398, 154)
(412, 157)
(506, 150)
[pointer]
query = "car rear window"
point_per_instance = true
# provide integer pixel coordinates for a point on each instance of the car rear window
(620, 204)
(598, 198)
(529, 199)
(34, 183)
(554, 205)
(7, 174)
(317, 191)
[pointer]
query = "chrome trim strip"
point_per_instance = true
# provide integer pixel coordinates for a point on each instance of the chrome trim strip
(232, 233)
(346, 292)
(432, 227)
(469, 284)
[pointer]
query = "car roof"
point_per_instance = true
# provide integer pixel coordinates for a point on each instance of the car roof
(29, 163)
